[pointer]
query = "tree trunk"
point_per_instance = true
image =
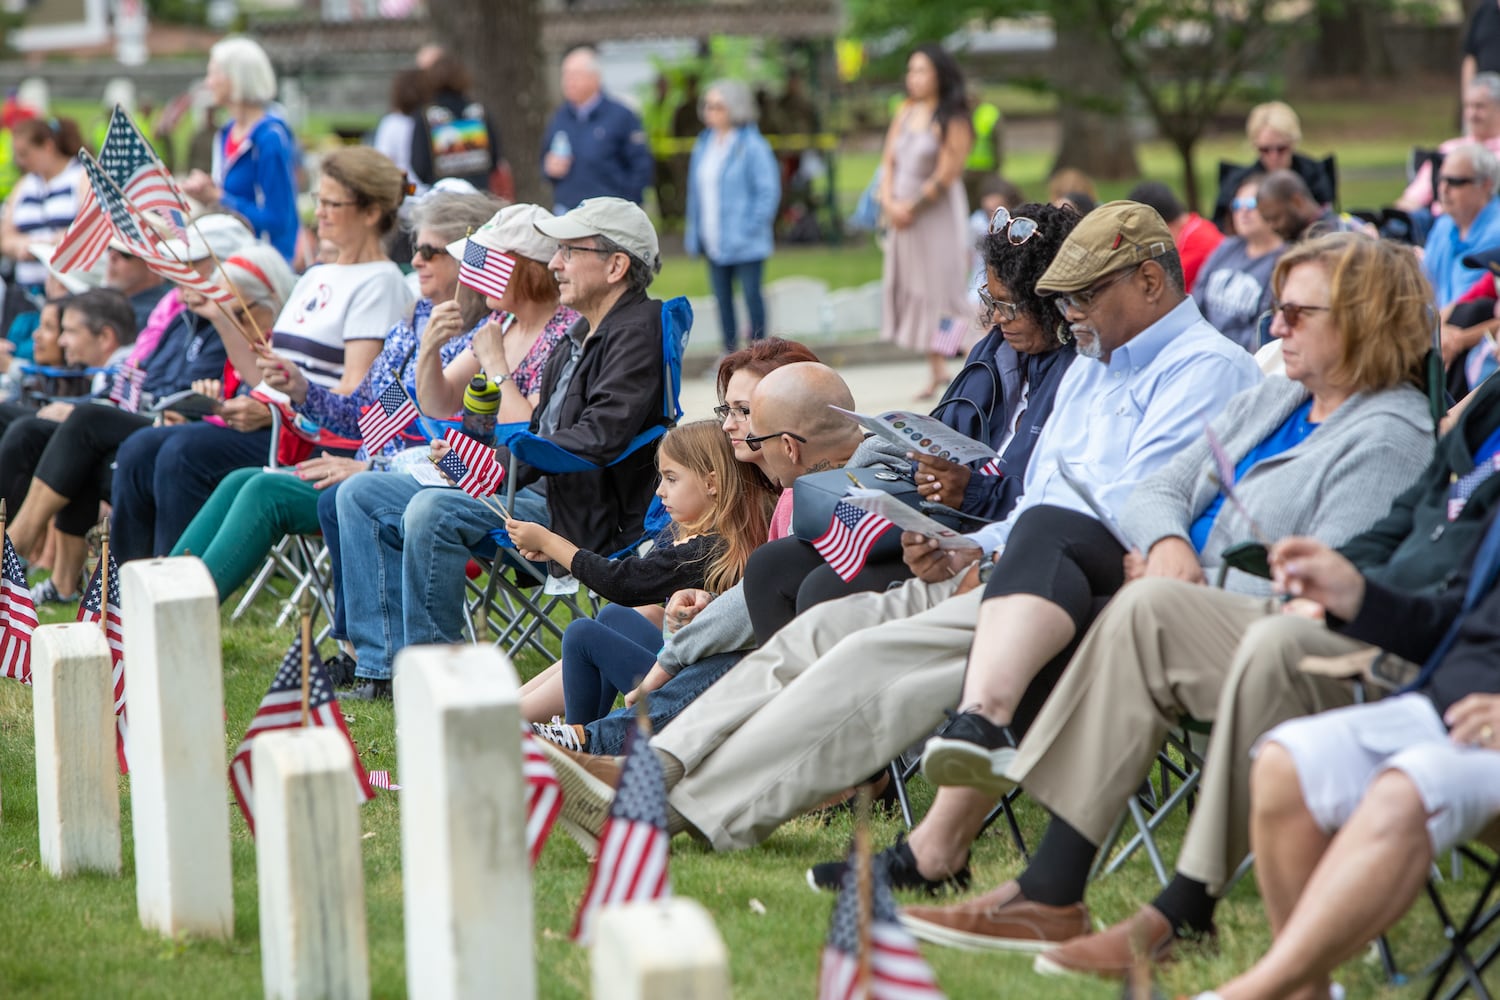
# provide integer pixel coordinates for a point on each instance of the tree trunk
(1096, 135)
(500, 41)
(1184, 147)
(1350, 41)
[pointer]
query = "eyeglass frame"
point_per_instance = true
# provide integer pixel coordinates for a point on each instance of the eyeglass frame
(428, 251)
(1291, 312)
(334, 204)
(723, 410)
(1462, 180)
(566, 251)
(1280, 149)
(1245, 204)
(756, 441)
(1083, 300)
(1009, 311)
(1001, 222)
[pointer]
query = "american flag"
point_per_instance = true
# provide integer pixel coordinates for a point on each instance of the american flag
(129, 159)
(93, 609)
(20, 618)
(991, 467)
(1463, 487)
(382, 781)
(282, 709)
(632, 861)
(949, 338)
(391, 411)
(484, 270)
(125, 388)
(543, 794)
(471, 465)
(897, 969)
(851, 533)
(87, 237)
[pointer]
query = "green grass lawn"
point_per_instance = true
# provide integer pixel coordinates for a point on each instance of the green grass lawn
(80, 937)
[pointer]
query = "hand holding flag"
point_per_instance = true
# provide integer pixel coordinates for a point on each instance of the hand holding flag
(386, 417)
(851, 533)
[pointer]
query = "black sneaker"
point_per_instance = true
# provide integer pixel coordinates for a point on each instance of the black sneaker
(371, 690)
(971, 751)
(901, 866)
(340, 668)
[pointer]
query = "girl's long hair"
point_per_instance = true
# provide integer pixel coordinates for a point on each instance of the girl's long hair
(740, 510)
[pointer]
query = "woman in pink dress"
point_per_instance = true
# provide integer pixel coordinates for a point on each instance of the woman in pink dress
(925, 299)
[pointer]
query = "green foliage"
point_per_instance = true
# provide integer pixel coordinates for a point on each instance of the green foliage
(177, 11)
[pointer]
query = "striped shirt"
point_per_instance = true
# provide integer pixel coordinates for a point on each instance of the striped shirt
(42, 210)
(335, 303)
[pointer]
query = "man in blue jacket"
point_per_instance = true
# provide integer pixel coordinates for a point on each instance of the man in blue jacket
(594, 146)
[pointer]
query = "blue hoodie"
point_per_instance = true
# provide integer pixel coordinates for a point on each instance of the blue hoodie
(258, 183)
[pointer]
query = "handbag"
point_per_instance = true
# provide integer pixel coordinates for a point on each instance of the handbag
(816, 494)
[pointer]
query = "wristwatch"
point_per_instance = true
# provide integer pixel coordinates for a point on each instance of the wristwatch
(986, 569)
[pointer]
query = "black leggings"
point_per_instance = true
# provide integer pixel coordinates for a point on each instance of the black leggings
(786, 577)
(76, 457)
(1069, 559)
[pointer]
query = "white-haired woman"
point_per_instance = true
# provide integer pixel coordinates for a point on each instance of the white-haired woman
(734, 187)
(254, 152)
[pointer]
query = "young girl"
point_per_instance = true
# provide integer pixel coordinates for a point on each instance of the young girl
(719, 516)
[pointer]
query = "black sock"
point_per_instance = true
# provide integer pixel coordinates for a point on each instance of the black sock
(1187, 906)
(1059, 867)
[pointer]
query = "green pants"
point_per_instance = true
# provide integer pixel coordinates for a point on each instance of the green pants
(248, 513)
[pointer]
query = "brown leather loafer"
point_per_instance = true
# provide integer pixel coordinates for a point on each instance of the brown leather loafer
(1000, 920)
(1111, 953)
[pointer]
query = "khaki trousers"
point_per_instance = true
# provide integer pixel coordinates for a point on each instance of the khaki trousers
(1162, 650)
(837, 694)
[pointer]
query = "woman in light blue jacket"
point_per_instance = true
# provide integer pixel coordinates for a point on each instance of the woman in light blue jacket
(734, 187)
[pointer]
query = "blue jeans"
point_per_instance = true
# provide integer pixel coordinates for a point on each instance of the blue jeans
(604, 656)
(164, 474)
(722, 278)
(397, 595)
(607, 736)
(328, 520)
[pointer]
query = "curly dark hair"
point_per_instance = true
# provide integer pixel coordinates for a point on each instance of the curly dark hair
(1019, 268)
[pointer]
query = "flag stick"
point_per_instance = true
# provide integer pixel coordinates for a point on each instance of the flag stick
(104, 576)
(305, 606)
(498, 507)
(865, 886)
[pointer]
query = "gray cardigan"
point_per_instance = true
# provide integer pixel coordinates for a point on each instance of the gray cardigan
(1332, 485)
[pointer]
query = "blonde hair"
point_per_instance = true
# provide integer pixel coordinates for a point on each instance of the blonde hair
(1379, 301)
(371, 178)
(1277, 116)
(1070, 180)
(740, 510)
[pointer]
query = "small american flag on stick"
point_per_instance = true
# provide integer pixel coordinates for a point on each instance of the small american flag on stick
(125, 387)
(485, 270)
(20, 618)
(471, 465)
(896, 968)
(391, 411)
(95, 607)
(948, 340)
(851, 533)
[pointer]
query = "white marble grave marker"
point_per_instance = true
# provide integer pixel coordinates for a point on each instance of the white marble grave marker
(77, 793)
(179, 792)
(464, 865)
(659, 948)
(307, 860)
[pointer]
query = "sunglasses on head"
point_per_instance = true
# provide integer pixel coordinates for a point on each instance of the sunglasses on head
(427, 251)
(1017, 230)
(757, 441)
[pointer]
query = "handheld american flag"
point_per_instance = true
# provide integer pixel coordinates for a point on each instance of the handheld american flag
(95, 608)
(471, 465)
(632, 861)
(543, 794)
(851, 533)
(125, 387)
(1224, 467)
(949, 338)
(282, 709)
(897, 969)
(20, 618)
(391, 411)
(87, 237)
(129, 159)
(484, 270)
(990, 468)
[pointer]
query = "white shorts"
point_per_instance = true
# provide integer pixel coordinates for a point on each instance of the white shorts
(1338, 754)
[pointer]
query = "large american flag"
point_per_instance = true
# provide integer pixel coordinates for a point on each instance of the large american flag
(20, 617)
(632, 861)
(471, 465)
(391, 411)
(125, 387)
(282, 709)
(543, 794)
(96, 608)
(897, 969)
(484, 270)
(851, 533)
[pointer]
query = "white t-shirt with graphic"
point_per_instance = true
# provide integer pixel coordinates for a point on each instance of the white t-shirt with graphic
(334, 303)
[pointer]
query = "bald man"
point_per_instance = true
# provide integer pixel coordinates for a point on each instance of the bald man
(594, 146)
(792, 424)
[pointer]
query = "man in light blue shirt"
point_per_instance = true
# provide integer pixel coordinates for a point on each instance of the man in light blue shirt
(874, 672)
(1470, 221)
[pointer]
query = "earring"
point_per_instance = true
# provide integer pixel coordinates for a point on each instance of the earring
(1062, 333)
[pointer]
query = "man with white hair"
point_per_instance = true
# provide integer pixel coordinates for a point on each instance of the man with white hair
(1470, 223)
(1481, 125)
(594, 146)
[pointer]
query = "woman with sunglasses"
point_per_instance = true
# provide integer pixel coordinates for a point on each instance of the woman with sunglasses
(924, 305)
(1234, 287)
(1002, 397)
(1274, 131)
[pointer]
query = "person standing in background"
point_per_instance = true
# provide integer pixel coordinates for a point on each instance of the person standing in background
(45, 200)
(922, 196)
(594, 146)
(453, 135)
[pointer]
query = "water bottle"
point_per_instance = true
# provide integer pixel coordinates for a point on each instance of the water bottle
(561, 145)
(481, 405)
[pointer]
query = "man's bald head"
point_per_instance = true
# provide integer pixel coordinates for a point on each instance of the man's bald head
(580, 75)
(795, 399)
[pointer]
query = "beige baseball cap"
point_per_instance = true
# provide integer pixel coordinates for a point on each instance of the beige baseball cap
(613, 218)
(512, 230)
(1112, 236)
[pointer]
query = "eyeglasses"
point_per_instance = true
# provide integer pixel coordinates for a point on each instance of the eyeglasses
(714, 106)
(1245, 204)
(755, 442)
(1270, 150)
(1007, 311)
(1017, 230)
(1457, 182)
(723, 410)
(1291, 312)
(567, 251)
(330, 204)
(427, 251)
(1084, 300)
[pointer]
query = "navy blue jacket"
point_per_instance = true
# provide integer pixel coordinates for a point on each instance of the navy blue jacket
(189, 349)
(979, 402)
(610, 155)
